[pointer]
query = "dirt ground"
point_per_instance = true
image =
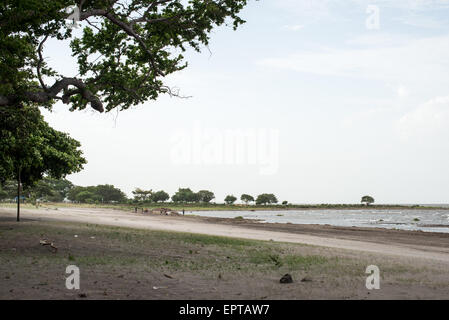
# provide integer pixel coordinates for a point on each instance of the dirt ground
(375, 240)
(143, 263)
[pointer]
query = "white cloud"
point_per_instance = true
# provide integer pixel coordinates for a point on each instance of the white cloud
(295, 27)
(402, 91)
(410, 4)
(417, 61)
(420, 21)
(426, 121)
(379, 40)
(324, 7)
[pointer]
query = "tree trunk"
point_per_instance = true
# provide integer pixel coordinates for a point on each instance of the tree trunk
(18, 195)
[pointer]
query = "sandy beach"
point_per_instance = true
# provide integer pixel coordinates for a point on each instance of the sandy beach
(413, 244)
(127, 255)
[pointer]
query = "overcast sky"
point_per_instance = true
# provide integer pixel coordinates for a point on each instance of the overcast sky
(316, 101)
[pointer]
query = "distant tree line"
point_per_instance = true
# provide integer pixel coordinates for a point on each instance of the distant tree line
(57, 190)
(48, 189)
(141, 195)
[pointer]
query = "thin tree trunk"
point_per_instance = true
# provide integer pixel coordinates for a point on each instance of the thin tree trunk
(18, 195)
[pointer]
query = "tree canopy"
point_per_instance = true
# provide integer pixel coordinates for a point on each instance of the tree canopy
(50, 189)
(230, 199)
(246, 198)
(109, 193)
(29, 147)
(105, 193)
(367, 200)
(185, 195)
(266, 198)
(205, 196)
(142, 195)
(124, 52)
(160, 196)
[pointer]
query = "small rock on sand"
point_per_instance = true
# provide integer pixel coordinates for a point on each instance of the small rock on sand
(286, 278)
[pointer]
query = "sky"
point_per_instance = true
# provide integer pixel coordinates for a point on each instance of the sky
(316, 101)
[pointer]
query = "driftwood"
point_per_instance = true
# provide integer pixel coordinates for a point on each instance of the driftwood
(46, 242)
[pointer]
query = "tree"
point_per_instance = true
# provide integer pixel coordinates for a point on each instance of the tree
(185, 195)
(61, 188)
(108, 193)
(125, 51)
(142, 195)
(3, 194)
(72, 194)
(100, 193)
(367, 200)
(160, 196)
(30, 149)
(8, 190)
(284, 203)
(205, 196)
(86, 196)
(246, 198)
(50, 189)
(230, 199)
(266, 198)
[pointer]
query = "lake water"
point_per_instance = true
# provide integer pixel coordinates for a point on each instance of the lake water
(429, 220)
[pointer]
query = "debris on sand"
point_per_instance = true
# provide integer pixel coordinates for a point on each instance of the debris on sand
(165, 211)
(286, 278)
(46, 242)
(168, 276)
(82, 295)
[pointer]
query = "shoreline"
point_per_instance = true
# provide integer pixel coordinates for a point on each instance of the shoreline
(223, 207)
(411, 244)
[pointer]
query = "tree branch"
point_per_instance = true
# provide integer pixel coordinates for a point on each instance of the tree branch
(125, 27)
(52, 92)
(39, 63)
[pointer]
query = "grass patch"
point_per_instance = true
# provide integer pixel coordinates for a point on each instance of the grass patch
(206, 240)
(137, 257)
(300, 262)
(110, 247)
(274, 257)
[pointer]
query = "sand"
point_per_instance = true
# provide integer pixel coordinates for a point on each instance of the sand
(411, 244)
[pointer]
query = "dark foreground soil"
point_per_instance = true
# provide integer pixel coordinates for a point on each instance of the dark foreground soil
(125, 263)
